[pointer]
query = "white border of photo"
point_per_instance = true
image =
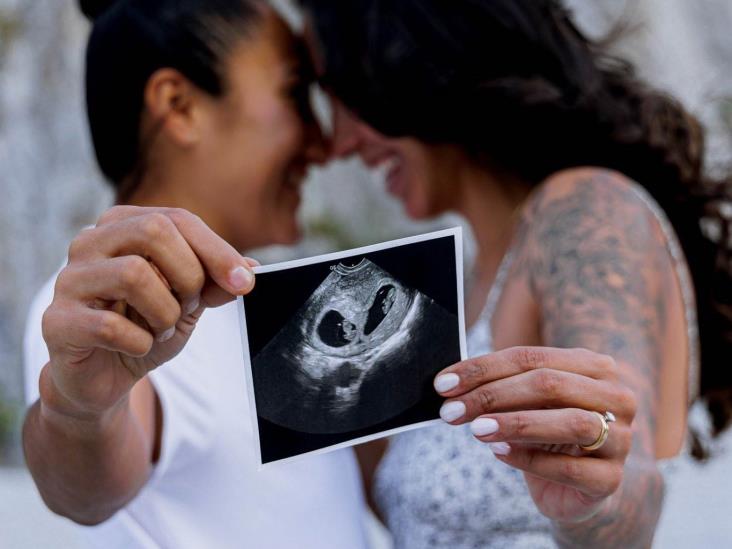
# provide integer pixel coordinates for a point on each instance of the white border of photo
(455, 232)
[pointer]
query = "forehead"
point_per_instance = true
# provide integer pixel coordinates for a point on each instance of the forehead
(269, 51)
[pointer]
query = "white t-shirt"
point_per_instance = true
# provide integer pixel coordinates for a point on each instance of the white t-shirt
(206, 490)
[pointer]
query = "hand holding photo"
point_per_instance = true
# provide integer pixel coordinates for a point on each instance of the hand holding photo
(343, 348)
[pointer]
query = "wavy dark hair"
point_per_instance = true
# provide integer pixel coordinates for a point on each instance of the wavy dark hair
(129, 41)
(515, 82)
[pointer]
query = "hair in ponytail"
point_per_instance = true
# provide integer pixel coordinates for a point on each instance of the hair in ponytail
(515, 82)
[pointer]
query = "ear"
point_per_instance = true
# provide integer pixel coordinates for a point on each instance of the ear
(171, 101)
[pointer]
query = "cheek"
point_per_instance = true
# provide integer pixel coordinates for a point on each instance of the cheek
(278, 156)
(267, 135)
(281, 131)
(267, 147)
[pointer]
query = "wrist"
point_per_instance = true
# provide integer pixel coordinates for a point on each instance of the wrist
(56, 408)
(575, 533)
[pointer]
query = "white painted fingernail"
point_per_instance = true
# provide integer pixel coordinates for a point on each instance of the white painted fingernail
(500, 448)
(167, 335)
(446, 382)
(193, 304)
(483, 426)
(241, 278)
(452, 411)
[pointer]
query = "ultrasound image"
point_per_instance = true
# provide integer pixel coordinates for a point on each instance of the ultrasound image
(361, 350)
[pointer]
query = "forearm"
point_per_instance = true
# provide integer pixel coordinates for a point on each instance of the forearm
(629, 520)
(87, 469)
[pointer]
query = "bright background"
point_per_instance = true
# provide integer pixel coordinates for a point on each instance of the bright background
(50, 188)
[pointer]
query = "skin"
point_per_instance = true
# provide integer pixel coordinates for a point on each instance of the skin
(591, 318)
(137, 283)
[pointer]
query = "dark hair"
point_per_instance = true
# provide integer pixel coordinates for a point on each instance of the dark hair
(515, 83)
(130, 40)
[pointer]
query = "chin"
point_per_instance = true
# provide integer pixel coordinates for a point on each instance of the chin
(417, 211)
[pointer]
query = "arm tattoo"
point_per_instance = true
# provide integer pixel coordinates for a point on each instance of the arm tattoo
(599, 273)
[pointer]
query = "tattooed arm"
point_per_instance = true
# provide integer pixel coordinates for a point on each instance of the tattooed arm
(599, 272)
(595, 268)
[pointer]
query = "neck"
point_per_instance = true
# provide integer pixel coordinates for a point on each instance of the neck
(175, 189)
(491, 204)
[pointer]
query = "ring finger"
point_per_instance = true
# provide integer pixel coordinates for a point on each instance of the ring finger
(562, 426)
(153, 237)
(130, 279)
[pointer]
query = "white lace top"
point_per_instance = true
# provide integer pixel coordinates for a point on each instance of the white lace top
(439, 487)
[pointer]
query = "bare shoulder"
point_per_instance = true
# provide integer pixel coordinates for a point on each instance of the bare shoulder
(588, 192)
(568, 179)
(590, 219)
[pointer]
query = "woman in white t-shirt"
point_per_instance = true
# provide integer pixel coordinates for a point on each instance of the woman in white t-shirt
(199, 116)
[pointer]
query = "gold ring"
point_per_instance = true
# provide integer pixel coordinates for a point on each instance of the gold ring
(605, 420)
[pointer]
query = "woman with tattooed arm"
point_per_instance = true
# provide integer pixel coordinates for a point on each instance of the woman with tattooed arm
(584, 189)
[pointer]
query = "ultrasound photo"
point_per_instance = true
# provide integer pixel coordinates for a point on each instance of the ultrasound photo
(343, 348)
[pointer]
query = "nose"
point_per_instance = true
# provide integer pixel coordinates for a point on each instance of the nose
(347, 138)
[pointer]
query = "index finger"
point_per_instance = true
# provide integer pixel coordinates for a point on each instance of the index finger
(231, 273)
(470, 374)
(224, 265)
(122, 212)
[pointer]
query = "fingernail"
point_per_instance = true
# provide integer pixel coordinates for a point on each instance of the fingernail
(483, 426)
(192, 305)
(167, 335)
(452, 411)
(446, 382)
(500, 448)
(241, 278)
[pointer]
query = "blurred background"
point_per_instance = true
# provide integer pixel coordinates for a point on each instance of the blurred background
(50, 188)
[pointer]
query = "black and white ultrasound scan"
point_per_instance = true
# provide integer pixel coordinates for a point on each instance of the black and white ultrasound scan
(343, 348)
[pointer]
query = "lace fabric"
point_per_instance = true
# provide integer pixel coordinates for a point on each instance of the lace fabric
(439, 487)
